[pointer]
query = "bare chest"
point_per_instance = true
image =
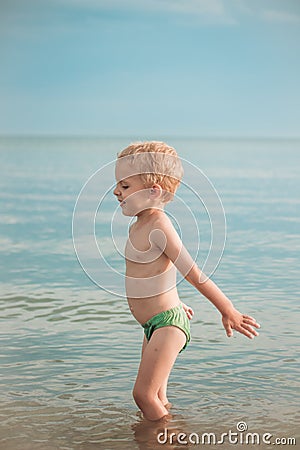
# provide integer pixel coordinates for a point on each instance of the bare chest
(140, 249)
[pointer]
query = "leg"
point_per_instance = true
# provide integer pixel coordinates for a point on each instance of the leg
(145, 342)
(157, 361)
(162, 392)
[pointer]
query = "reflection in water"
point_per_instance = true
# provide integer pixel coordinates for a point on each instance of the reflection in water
(151, 435)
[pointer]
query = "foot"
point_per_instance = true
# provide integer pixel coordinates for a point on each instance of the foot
(168, 405)
(163, 399)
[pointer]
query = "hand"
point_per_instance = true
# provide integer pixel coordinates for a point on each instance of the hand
(188, 310)
(242, 323)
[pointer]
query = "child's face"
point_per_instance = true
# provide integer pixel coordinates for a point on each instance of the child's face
(130, 190)
(132, 195)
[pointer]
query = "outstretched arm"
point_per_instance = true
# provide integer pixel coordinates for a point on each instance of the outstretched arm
(232, 319)
(172, 246)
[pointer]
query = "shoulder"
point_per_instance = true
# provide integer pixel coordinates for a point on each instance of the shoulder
(162, 221)
(163, 231)
(162, 226)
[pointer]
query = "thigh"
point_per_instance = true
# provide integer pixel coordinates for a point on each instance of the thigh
(158, 358)
(145, 342)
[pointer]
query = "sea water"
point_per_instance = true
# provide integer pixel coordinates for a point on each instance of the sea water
(70, 348)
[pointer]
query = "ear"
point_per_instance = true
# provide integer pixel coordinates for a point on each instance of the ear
(155, 191)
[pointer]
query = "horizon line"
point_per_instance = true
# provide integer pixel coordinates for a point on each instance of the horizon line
(137, 136)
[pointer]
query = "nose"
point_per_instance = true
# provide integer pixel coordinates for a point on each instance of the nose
(116, 191)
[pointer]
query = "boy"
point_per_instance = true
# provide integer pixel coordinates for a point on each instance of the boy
(147, 176)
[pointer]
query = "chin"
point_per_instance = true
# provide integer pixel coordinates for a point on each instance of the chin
(127, 213)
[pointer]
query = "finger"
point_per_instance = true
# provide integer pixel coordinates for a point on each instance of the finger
(245, 332)
(252, 323)
(246, 316)
(228, 329)
(250, 329)
(190, 316)
(250, 320)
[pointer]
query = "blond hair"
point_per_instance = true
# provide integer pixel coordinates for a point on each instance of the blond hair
(156, 163)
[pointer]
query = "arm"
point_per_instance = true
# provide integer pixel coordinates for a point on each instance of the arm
(173, 248)
(232, 319)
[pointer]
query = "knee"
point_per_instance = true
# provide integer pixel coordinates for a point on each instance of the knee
(142, 397)
(138, 395)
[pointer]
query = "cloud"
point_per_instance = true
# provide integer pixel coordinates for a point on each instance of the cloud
(276, 11)
(211, 10)
(280, 17)
(222, 12)
(187, 6)
(207, 11)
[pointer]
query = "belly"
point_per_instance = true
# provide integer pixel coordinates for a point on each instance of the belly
(144, 308)
(151, 292)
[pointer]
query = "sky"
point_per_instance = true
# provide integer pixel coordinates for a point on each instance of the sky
(210, 68)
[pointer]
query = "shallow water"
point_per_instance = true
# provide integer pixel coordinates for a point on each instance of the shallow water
(70, 351)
